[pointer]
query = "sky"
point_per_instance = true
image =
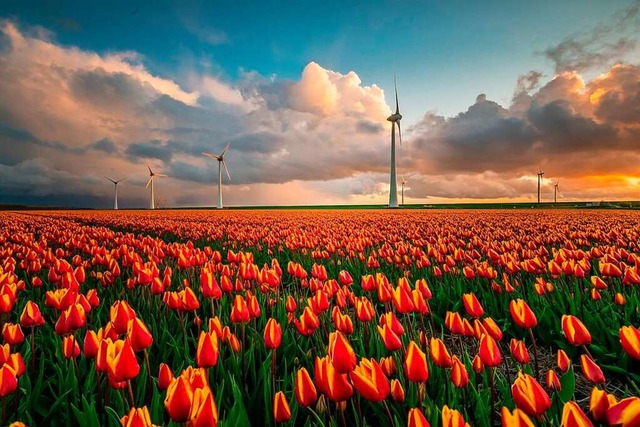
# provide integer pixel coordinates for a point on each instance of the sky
(490, 92)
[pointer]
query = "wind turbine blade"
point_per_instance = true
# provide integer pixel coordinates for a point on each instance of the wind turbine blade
(149, 167)
(122, 179)
(161, 174)
(399, 132)
(115, 182)
(227, 170)
(225, 150)
(213, 156)
(395, 85)
(148, 182)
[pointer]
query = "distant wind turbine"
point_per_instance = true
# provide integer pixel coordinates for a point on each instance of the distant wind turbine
(152, 204)
(403, 182)
(555, 191)
(115, 183)
(394, 119)
(540, 173)
(221, 163)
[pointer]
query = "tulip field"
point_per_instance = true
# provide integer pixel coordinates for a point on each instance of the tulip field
(320, 317)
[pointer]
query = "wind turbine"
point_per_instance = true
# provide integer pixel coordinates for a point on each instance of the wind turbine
(152, 204)
(221, 162)
(540, 173)
(115, 183)
(555, 191)
(394, 119)
(403, 182)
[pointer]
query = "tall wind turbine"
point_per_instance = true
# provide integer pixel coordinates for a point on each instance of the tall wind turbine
(540, 173)
(152, 204)
(403, 182)
(394, 119)
(115, 183)
(221, 163)
(555, 191)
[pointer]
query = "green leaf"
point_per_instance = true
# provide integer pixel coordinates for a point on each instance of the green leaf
(568, 385)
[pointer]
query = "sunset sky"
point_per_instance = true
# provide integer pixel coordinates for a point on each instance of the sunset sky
(490, 92)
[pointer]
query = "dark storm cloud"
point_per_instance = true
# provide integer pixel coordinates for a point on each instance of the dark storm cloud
(154, 149)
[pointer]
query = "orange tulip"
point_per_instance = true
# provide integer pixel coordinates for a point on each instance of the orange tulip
(417, 419)
(439, 354)
(516, 419)
(519, 351)
(281, 410)
(472, 305)
(240, 310)
(459, 375)
(478, 366)
(415, 364)
(575, 331)
(207, 351)
(369, 380)
(599, 404)
(332, 383)
(204, 412)
(397, 392)
(489, 352)
(31, 316)
(139, 335)
(124, 366)
(165, 376)
(304, 389)
(625, 413)
(272, 334)
(452, 418)
(137, 417)
(529, 395)
(12, 334)
(91, 344)
(522, 314)
(553, 382)
(70, 347)
(402, 300)
(178, 400)
(572, 416)
(620, 299)
(591, 370)
(8, 380)
(492, 328)
(563, 361)
(390, 340)
(630, 341)
(341, 353)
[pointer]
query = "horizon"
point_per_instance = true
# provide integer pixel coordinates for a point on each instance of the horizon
(490, 94)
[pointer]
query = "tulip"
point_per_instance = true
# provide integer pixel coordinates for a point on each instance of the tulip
(31, 316)
(452, 418)
(620, 299)
(178, 400)
(304, 389)
(331, 382)
(12, 334)
(402, 300)
(519, 351)
(489, 352)
(124, 366)
(91, 344)
(341, 353)
(572, 416)
(165, 376)
(575, 331)
(281, 410)
(459, 375)
(240, 310)
(472, 305)
(415, 364)
(477, 364)
(625, 413)
(516, 419)
(397, 392)
(390, 340)
(204, 412)
(369, 380)
(272, 334)
(139, 335)
(439, 354)
(417, 419)
(529, 395)
(207, 351)
(563, 361)
(591, 370)
(553, 382)
(492, 328)
(630, 341)
(8, 380)
(70, 347)
(137, 417)
(599, 404)
(522, 314)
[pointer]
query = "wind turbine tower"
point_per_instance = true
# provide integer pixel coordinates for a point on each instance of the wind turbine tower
(395, 120)
(115, 183)
(403, 182)
(221, 163)
(152, 175)
(555, 192)
(540, 173)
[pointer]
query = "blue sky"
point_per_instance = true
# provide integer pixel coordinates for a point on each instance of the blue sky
(295, 87)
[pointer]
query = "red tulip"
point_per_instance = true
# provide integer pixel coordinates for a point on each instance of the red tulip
(272, 334)
(341, 353)
(630, 341)
(529, 395)
(575, 331)
(281, 410)
(472, 305)
(489, 352)
(305, 390)
(415, 364)
(522, 314)
(516, 419)
(417, 419)
(369, 380)
(591, 370)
